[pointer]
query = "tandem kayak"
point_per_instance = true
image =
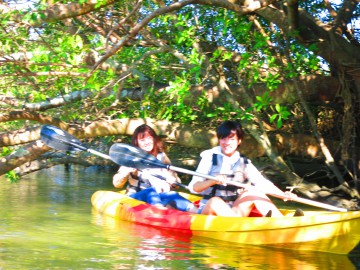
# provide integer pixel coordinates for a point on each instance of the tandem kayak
(324, 231)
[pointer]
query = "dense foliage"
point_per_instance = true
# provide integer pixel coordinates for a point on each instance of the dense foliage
(280, 67)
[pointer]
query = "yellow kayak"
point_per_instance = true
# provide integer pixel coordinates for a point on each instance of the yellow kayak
(324, 231)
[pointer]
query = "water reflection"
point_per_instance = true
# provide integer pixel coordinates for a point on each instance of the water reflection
(154, 244)
(138, 247)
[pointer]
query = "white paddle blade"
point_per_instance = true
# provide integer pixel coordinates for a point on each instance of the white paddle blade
(134, 157)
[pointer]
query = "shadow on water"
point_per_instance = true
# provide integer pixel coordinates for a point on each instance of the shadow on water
(46, 222)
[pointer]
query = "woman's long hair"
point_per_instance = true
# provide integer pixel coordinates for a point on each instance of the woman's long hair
(141, 131)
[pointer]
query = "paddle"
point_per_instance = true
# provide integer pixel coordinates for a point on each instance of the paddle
(131, 156)
(59, 139)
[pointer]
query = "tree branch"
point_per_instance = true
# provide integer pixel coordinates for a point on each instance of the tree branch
(58, 101)
(293, 15)
(52, 160)
(251, 5)
(21, 156)
(136, 29)
(63, 11)
(344, 16)
(47, 73)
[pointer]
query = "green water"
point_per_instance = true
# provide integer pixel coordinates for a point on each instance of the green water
(46, 222)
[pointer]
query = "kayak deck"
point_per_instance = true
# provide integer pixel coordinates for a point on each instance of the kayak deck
(334, 232)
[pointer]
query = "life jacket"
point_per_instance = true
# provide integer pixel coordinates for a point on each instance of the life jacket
(228, 192)
(142, 180)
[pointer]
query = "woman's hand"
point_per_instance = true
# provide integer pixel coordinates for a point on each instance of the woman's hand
(171, 179)
(126, 170)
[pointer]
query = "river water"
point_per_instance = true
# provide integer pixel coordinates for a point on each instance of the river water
(46, 222)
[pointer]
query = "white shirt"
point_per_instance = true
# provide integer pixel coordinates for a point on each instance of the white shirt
(229, 164)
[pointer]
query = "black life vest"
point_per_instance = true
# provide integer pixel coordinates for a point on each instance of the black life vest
(229, 192)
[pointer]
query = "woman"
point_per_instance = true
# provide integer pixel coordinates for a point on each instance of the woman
(152, 185)
(226, 163)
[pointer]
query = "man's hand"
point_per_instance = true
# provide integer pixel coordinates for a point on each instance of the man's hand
(221, 179)
(289, 194)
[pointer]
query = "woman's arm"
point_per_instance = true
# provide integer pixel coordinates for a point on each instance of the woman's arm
(122, 176)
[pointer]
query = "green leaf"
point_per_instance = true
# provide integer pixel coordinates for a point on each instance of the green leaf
(278, 107)
(273, 117)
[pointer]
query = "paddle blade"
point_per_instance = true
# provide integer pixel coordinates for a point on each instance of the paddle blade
(58, 139)
(134, 157)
